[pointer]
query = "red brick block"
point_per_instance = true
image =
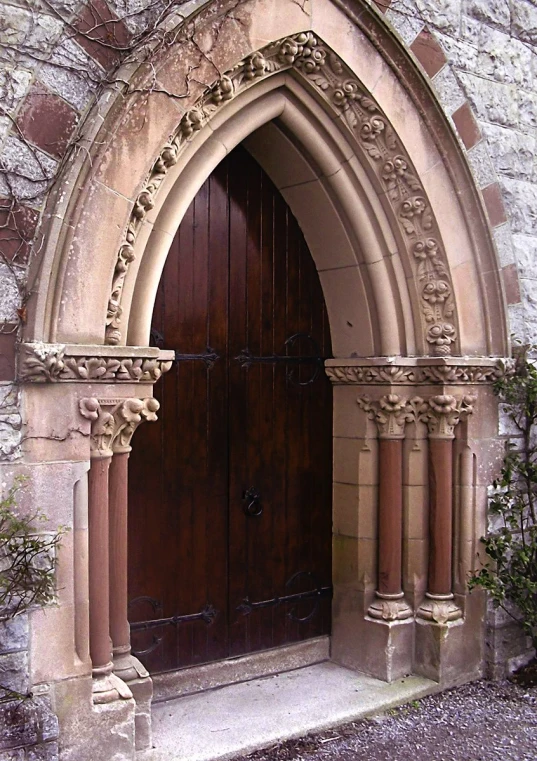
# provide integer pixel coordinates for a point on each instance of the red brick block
(511, 284)
(101, 33)
(7, 354)
(494, 203)
(467, 126)
(46, 120)
(428, 52)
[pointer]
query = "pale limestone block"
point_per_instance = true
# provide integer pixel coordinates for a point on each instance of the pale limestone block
(525, 252)
(482, 168)
(470, 28)
(492, 101)
(14, 634)
(529, 302)
(70, 76)
(27, 170)
(14, 672)
(504, 244)
(10, 297)
(524, 20)
(520, 199)
(450, 93)
(14, 83)
(527, 109)
(405, 23)
(518, 326)
(442, 14)
(493, 12)
(512, 152)
(504, 59)
(461, 53)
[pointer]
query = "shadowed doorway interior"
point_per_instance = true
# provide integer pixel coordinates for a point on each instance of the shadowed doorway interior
(230, 492)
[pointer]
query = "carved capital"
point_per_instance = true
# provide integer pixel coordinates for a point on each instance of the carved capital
(391, 413)
(443, 413)
(114, 422)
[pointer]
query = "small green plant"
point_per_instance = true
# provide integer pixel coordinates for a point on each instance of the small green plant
(27, 563)
(510, 574)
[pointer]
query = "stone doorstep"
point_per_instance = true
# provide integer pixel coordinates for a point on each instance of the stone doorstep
(239, 718)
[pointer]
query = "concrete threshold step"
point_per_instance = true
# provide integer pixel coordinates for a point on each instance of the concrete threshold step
(239, 718)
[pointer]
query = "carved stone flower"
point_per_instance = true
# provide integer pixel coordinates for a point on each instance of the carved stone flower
(348, 91)
(392, 403)
(427, 249)
(441, 336)
(255, 66)
(436, 291)
(191, 122)
(394, 168)
(289, 50)
(313, 58)
(443, 404)
(223, 90)
(372, 129)
(412, 207)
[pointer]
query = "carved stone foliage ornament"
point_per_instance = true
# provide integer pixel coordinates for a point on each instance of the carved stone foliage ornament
(314, 61)
(113, 422)
(444, 412)
(441, 413)
(395, 374)
(391, 413)
(42, 363)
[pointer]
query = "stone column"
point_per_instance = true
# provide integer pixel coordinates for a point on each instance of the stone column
(129, 416)
(391, 413)
(106, 687)
(442, 414)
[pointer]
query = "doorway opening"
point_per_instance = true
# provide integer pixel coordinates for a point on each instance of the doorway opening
(230, 516)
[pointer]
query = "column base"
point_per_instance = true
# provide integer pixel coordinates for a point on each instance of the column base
(107, 687)
(389, 607)
(127, 667)
(439, 609)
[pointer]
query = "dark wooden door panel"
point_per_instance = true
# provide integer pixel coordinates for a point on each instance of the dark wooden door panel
(239, 283)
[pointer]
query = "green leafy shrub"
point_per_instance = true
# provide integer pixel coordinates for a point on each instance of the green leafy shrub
(510, 574)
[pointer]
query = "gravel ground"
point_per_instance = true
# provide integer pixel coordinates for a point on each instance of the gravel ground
(482, 721)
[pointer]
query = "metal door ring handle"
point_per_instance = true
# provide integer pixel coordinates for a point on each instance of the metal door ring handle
(252, 506)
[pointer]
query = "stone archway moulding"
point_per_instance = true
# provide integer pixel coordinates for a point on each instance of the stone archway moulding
(414, 279)
(396, 179)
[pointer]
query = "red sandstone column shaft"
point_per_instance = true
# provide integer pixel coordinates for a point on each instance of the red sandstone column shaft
(119, 625)
(390, 516)
(100, 643)
(440, 516)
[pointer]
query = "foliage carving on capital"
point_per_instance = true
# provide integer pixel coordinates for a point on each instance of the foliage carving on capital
(442, 413)
(325, 72)
(391, 413)
(114, 422)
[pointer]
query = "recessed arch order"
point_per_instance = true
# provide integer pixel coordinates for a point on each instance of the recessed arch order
(377, 182)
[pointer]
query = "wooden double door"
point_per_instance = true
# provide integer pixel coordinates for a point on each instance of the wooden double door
(230, 492)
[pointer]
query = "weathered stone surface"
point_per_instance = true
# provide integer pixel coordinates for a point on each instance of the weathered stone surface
(14, 634)
(520, 199)
(525, 248)
(14, 672)
(493, 12)
(46, 752)
(512, 152)
(524, 20)
(492, 101)
(27, 722)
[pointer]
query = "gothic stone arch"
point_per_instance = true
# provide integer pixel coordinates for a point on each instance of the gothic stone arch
(335, 111)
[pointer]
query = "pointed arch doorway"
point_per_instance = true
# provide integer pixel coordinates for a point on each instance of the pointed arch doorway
(230, 493)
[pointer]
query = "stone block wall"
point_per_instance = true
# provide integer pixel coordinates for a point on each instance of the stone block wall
(28, 725)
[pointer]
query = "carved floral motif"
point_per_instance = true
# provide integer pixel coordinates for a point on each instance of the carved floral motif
(41, 363)
(114, 422)
(444, 412)
(391, 413)
(404, 375)
(319, 65)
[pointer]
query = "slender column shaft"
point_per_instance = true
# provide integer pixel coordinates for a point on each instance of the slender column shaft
(119, 625)
(441, 516)
(390, 516)
(100, 644)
